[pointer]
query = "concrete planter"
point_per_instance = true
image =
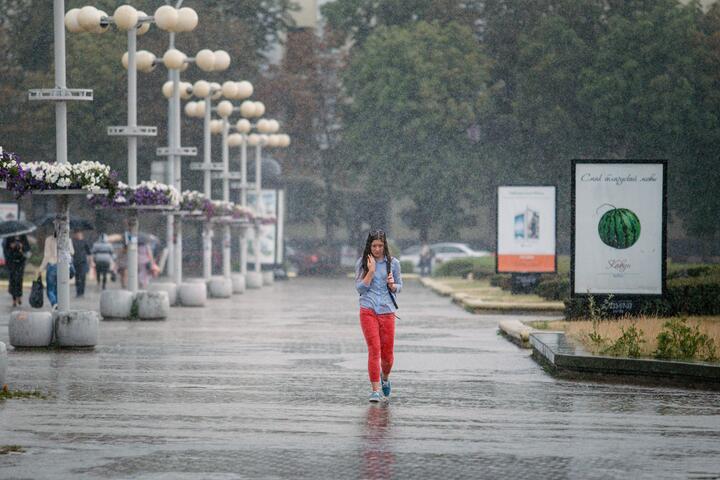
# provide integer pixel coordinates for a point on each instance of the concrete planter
(254, 280)
(169, 287)
(192, 294)
(268, 278)
(30, 329)
(116, 303)
(220, 287)
(3, 364)
(238, 282)
(152, 305)
(77, 328)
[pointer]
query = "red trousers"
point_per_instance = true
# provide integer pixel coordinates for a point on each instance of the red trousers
(379, 331)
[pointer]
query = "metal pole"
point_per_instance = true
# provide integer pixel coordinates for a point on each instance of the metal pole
(63, 252)
(178, 251)
(226, 196)
(177, 170)
(63, 213)
(207, 228)
(243, 202)
(132, 255)
(258, 202)
(170, 166)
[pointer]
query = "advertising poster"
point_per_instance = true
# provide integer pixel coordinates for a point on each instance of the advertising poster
(526, 229)
(618, 220)
(268, 233)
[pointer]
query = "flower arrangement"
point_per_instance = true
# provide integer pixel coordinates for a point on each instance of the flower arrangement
(192, 201)
(23, 177)
(242, 213)
(265, 219)
(145, 194)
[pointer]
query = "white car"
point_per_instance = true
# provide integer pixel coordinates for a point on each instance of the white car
(443, 252)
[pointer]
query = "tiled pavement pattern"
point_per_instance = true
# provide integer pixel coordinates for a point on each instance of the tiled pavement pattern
(272, 384)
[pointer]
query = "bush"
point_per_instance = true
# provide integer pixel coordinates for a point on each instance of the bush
(502, 280)
(480, 267)
(406, 266)
(694, 295)
(556, 287)
(679, 341)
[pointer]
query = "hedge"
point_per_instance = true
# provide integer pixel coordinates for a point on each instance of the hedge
(695, 295)
(480, 267)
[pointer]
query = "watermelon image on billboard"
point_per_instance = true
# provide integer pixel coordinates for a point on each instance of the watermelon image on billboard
(619, 228)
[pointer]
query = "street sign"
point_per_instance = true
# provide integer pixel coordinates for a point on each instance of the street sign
(216, 166)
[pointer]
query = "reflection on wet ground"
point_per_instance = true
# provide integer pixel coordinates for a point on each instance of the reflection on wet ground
(272, 383)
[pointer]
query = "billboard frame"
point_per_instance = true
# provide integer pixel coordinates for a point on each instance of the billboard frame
(573, 186)
(497, 229)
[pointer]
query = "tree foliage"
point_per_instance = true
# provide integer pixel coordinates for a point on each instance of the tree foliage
(415, 92)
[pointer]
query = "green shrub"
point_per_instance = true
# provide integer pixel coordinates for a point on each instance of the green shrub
(502, 280)
(694, 295)
(628, 345)
(554, 287)
(406, 266)
(680, 341)
(480, 267)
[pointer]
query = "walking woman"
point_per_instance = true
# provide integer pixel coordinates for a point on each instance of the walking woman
(378, 280)
(49, 264)
(16, 250)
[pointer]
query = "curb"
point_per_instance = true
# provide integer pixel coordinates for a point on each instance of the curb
(478, 305)
(553, 350)
(516, 331)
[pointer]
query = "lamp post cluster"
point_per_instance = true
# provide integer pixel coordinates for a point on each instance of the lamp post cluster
(203, 93)
(173, 20)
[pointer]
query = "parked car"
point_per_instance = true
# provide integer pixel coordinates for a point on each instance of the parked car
(443, 252)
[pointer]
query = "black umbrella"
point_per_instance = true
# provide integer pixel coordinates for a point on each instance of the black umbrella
(75, 223)
(15, 227)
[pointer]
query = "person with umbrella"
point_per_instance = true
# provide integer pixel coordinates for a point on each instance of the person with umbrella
(16, 250)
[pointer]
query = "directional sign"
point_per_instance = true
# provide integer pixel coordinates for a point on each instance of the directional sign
(217, 166)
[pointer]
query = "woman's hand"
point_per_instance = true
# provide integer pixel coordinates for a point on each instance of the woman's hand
(371, 264)
(391, 281)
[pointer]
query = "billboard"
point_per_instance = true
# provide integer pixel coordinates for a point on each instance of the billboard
(619, 227)
(268, 233)
(526, 229)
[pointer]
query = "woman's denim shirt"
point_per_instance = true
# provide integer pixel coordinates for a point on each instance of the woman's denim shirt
(376, 296)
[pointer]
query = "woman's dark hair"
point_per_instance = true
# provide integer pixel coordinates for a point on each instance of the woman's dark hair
(374, 235)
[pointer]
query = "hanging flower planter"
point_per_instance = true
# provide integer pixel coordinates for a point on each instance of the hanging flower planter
(195, 203)
(23, 177)
(146, 194)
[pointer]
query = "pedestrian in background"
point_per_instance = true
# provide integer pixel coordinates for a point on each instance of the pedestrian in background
(81, 261)
(378, 280)
(16, 250)
(103, 258)
(49, 264)
(426, 259)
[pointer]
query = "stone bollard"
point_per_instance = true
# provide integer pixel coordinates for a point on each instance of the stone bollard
(152, 305)
(220, 287)
(238, 282)
(169, 287)
(192, 294)
(116, 303)
(76, 328)
(30, 329)
(268, 277)
(254, 280)
(3, 363)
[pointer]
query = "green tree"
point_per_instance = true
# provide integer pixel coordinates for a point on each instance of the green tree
(415, 93)
(356, 20)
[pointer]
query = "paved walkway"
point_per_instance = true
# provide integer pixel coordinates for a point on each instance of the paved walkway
(272, 384)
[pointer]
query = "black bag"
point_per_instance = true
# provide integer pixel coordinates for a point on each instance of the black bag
(36, 293)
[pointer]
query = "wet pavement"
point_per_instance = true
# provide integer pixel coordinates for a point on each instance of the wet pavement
(273, 384)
